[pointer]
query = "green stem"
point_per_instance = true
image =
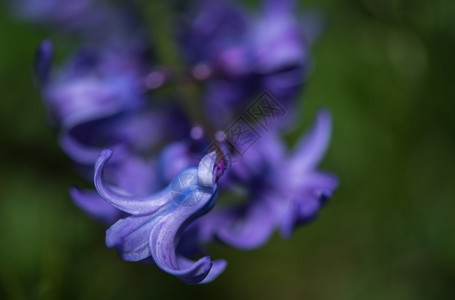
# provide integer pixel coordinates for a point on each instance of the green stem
(157, 16)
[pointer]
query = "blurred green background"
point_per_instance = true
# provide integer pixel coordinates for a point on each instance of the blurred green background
(384, 68)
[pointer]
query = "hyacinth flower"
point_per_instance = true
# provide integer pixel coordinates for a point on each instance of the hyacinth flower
(282, 190)
(92, 87)
(136, 175)
(240, 54)
(157, 203)
(96, 101)
(156, 222)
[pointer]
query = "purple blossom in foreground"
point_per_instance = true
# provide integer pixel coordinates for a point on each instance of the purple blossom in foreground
(156, 221)
(159, 120)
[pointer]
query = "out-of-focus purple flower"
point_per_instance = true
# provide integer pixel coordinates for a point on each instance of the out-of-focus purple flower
(97, 101)
(86, 16)
(282, 189)
(157, 221)
(93, 87)
(240, 54)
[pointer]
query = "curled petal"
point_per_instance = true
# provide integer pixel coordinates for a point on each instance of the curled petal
(78, 113)
(94, 205)
(165, 231)
(88, 97)
(75, 101)
(192, 193)
(121, 199)
(216, 269)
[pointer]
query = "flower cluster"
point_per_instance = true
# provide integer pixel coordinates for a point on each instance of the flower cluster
(163, 143)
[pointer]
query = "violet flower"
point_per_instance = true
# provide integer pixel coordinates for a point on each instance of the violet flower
(240, 54)
(157, 221)
(84, 96)
(96, 101)
(283, 190)
(157, 203)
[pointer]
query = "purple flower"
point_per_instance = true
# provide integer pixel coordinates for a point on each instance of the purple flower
(156, 222)
(113, 95)
(283, 190)
(90, 17)
(86, 94)
(126, 171)
(96, 101)
(241, 55)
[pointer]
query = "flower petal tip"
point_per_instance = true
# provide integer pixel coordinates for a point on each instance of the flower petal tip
(206, 170)
(106, 153)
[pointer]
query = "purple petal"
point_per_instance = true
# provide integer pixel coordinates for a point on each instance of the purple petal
(262, 159)
(130, 237)
(193, 193)
(216, 26)
(277, 38)
(120, 198)
(89, 98)
(308, 196)
(310, 149)
(43, 60)
(94, 205)
(217, 267)
(249, 227)
(196, 201)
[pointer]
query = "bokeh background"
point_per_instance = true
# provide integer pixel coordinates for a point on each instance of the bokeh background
(384, 68)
